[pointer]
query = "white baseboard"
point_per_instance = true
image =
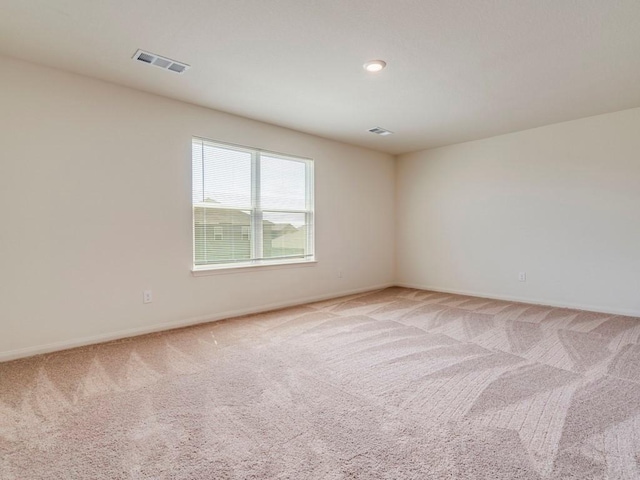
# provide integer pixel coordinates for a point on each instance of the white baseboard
(134, 332)
(532, 301)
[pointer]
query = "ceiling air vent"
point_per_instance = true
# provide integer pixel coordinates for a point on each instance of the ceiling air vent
(160, 62)
(380, 131)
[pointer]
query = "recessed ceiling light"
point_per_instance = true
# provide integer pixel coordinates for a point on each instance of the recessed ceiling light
(374, 65)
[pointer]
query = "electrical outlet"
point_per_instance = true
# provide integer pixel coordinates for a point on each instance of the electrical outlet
(522, 277)
(147, 296)
(339, 273)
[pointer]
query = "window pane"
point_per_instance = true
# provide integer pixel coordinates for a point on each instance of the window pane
(224, 178)
(283, 184)
(221, 235)
(249, 205)
(284, 234)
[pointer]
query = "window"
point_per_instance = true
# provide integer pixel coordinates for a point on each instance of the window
(250, 207)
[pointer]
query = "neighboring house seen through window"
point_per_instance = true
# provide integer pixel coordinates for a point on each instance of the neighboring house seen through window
(250, 207)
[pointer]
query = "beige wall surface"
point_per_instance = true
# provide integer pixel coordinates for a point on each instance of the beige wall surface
(561, 203)
(95, 207)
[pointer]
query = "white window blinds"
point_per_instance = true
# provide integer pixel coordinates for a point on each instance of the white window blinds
(249, 206)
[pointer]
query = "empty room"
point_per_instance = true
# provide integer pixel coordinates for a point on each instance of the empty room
(319, 240)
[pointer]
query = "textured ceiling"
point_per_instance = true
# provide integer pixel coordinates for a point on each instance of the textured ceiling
(457, 70)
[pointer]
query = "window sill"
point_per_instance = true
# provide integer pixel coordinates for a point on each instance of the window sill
(225, 269)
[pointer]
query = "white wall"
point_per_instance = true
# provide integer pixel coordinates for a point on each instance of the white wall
(561, 202)
(95, 207)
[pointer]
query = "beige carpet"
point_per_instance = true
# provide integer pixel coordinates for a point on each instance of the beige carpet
(395, 384)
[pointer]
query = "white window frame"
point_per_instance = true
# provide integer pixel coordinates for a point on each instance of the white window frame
(256, 233)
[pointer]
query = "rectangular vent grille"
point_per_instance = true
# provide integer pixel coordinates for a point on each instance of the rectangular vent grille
(160, 62)
(380, 131)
